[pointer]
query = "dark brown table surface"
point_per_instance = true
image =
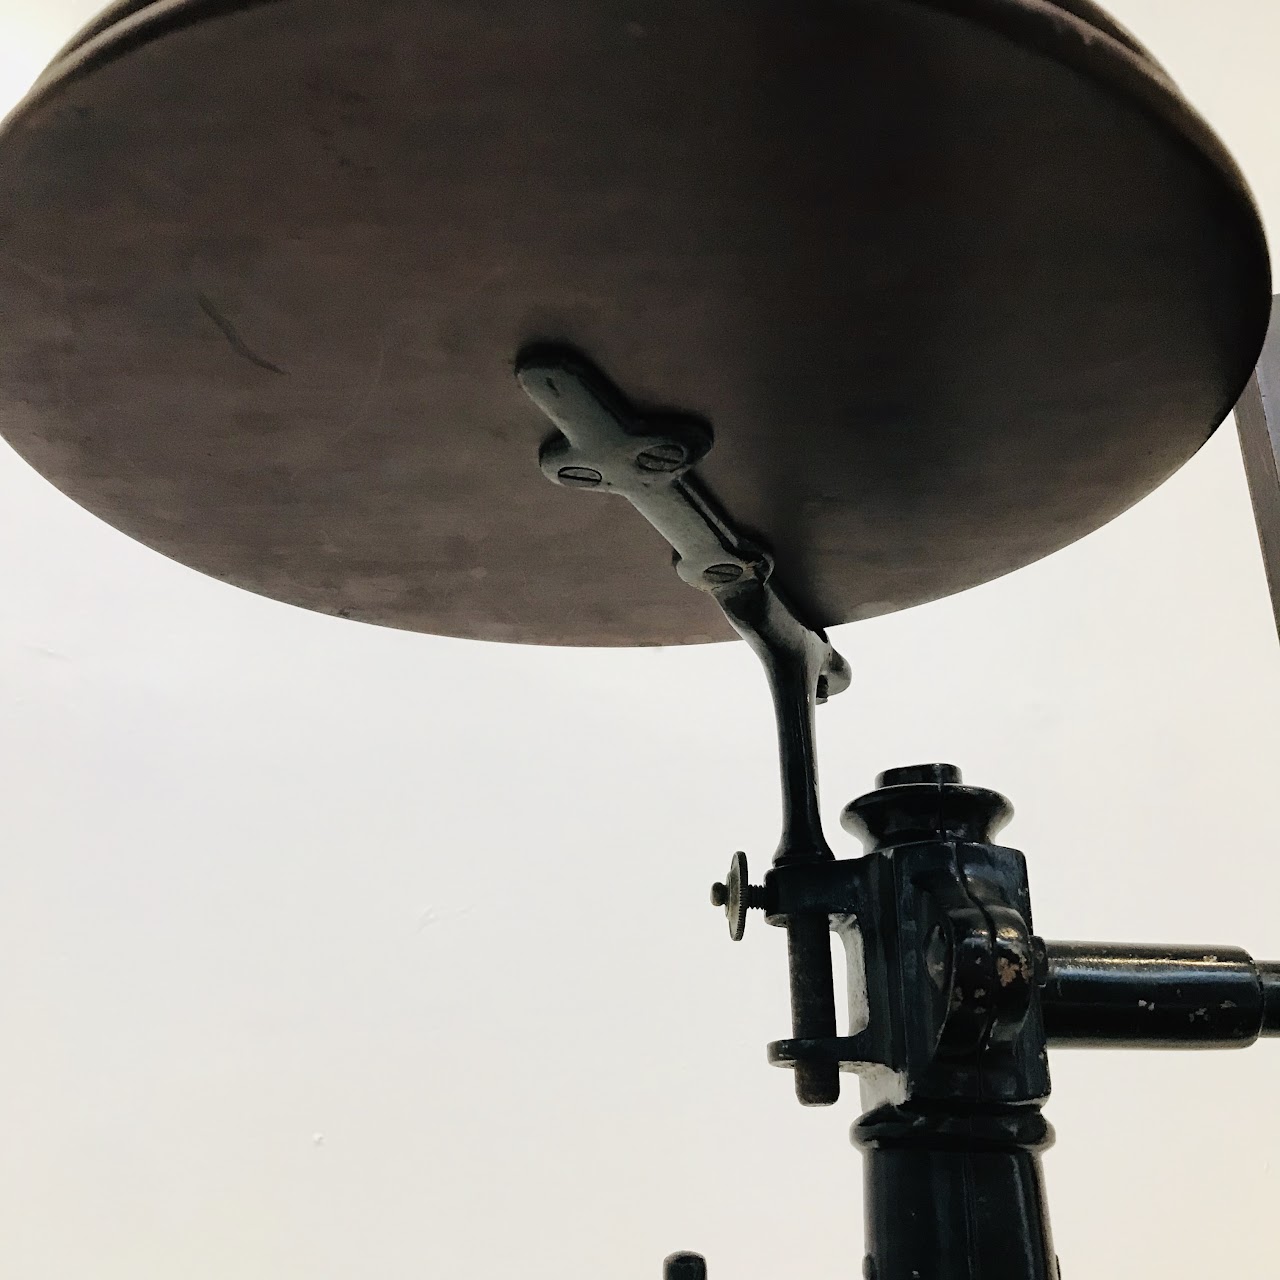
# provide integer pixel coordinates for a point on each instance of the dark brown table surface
(955, 282)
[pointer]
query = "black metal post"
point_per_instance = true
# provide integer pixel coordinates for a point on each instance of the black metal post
(955, 1196)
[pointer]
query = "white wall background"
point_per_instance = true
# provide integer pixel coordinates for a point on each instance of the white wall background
(329, 952)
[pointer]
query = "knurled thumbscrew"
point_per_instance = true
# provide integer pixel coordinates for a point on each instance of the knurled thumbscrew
(737, 896)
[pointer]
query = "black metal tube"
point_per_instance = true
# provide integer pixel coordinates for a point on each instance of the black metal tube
(955, 1197)
(1141, 996)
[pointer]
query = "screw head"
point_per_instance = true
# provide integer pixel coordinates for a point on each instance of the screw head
(720, 574)
(579, 477)
(665, 457)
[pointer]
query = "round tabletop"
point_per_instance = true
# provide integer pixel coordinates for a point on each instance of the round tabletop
(954, 282)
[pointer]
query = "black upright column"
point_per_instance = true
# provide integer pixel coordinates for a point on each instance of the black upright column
(955, 1196)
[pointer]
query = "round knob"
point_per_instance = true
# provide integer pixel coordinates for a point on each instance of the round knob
(736, 895)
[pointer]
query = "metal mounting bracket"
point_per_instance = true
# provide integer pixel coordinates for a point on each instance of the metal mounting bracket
(603, 444)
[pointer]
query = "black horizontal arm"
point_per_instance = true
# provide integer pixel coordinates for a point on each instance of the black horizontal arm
(1104, 995)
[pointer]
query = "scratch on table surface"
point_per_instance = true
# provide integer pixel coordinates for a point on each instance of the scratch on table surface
(234, 340)
(361, 406)
(40, 276)
(365, 397)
